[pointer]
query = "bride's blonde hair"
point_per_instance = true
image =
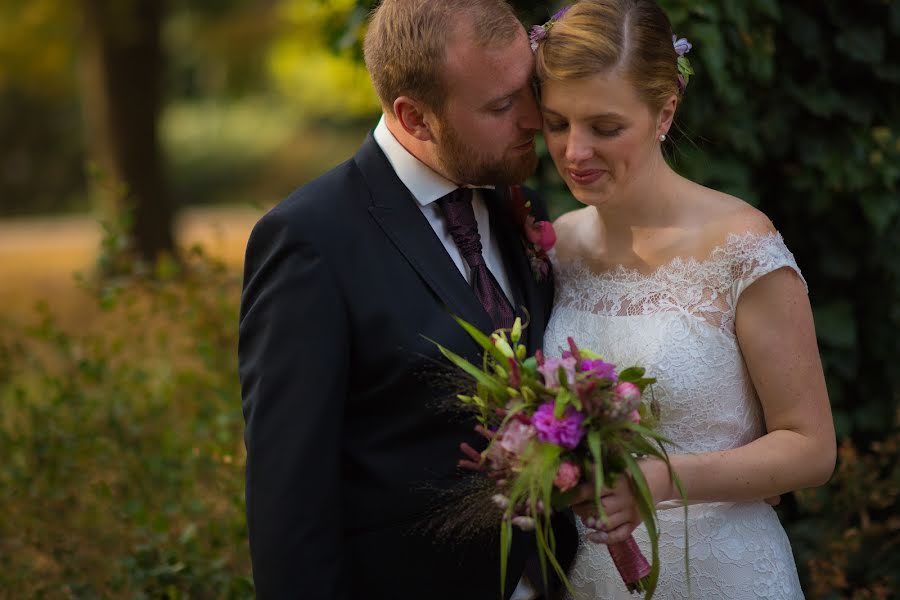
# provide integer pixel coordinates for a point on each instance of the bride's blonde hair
(631, 37)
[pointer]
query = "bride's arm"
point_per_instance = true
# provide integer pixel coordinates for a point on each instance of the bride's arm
(775, 330)
(774, 327)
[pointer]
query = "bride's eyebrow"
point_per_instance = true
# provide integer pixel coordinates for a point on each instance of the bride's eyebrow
(606, 116)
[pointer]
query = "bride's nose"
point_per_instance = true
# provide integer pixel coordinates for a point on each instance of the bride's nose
(578, 147)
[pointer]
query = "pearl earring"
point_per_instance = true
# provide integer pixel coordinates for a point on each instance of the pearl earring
(662, 137)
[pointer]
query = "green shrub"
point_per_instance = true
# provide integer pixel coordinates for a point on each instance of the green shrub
(121, 456)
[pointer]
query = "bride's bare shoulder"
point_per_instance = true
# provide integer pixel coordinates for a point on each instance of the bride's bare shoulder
(569, 228)
(724, 215)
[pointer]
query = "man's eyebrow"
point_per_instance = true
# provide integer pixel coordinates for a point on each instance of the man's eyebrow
(505, 96)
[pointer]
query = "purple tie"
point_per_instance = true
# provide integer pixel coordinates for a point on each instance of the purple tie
(457, 207)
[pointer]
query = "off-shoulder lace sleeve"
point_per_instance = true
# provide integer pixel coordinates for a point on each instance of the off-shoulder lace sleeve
(753, 255)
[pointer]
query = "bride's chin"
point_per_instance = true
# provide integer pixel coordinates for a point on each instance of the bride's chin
(590, 199)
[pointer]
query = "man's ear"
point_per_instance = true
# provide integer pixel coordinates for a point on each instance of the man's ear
(411, 115)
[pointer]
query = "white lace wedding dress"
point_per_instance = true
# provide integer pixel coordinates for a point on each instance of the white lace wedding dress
(678, 322)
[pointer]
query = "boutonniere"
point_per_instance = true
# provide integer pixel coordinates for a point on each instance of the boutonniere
(538, 237)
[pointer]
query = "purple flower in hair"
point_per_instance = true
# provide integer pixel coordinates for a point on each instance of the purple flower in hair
(682, 46)
(539, 32)
(559, 14)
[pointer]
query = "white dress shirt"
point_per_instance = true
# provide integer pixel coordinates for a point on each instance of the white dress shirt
(427, 186)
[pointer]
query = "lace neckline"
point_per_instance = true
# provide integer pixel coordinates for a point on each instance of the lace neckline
(676, 265)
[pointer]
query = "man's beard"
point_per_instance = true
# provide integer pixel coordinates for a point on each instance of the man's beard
(467, 165)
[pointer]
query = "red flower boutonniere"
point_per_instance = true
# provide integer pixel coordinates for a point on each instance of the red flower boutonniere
(539, 236)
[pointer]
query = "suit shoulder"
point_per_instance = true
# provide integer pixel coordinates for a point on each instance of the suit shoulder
(321, 204)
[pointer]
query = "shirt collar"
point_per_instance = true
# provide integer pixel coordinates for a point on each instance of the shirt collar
(422, 181)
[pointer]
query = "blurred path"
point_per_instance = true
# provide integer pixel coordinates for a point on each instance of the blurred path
(39, 255)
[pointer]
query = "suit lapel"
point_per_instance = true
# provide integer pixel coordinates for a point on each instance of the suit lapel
(398, 215)
(531, 295)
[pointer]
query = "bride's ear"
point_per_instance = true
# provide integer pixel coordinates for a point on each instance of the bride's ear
(411, 116)
(666, 116)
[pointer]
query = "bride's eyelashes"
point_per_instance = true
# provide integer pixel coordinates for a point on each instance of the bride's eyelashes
(608, 132)
(557, 127)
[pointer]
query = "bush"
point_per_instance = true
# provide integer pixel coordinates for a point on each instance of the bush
(121, 456)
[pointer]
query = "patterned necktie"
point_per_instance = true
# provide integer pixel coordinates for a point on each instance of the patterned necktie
(457, 207)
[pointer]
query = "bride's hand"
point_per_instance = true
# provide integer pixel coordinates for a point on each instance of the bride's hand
(622, 516)
(620, 503)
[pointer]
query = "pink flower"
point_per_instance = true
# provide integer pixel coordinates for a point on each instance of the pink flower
(567, 476)
(550, 371)
(628, 395)
(634, 416)
(540, 233)
(515, 436)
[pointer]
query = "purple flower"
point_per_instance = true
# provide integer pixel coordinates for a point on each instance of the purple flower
(682, 46)
(550, 371)
(538, 34)
(601, 369)
(559, 14)
(565, 432)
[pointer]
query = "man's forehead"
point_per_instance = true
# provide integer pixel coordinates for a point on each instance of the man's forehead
(502, 68)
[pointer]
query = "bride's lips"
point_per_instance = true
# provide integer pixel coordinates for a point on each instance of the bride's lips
(585, 176)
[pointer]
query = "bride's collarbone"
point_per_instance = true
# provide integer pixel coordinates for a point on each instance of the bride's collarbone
(645, 262)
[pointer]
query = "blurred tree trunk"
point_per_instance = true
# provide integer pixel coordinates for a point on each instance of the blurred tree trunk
(122, 76)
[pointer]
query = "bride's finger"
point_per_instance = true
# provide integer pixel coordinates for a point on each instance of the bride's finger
(619, 534)
(598, 537)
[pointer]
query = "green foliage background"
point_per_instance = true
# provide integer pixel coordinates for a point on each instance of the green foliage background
(120, 448)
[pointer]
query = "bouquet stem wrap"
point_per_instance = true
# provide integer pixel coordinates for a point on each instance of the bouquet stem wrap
(630, 563)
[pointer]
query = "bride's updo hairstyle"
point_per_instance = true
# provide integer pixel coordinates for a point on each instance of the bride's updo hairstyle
(629, 37)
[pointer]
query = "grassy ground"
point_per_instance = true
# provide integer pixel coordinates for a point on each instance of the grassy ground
(39, 256)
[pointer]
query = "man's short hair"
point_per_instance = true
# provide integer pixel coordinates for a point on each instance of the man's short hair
(406, 43)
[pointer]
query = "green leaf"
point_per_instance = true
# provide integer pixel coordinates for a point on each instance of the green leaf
(632, 374)
(498, 388)
(595, 446)
(880, 210)
(835, 324)
(864, 45)
(647, 510)
(505, 546)
(483, 340)
(769, 8)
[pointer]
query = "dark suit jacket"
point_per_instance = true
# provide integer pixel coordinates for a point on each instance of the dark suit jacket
(343, 281)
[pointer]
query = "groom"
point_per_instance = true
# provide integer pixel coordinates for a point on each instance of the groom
(347, 453)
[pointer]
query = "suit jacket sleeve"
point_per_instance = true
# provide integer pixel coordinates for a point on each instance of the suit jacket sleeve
(293, 360)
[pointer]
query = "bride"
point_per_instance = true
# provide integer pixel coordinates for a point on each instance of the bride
(697, 286)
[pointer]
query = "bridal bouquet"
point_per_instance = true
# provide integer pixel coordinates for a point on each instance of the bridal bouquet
(558, 423)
